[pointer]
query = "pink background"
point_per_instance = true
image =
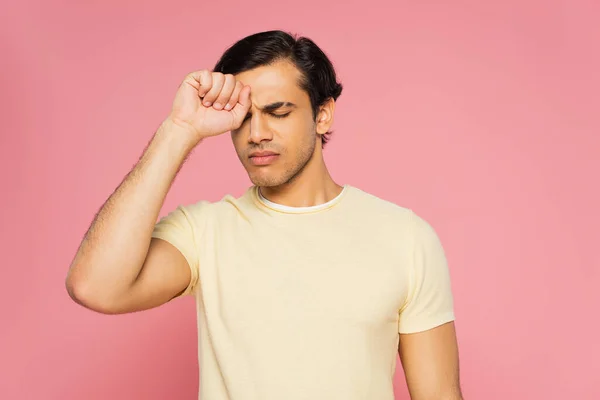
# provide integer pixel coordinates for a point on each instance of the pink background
(482, 117)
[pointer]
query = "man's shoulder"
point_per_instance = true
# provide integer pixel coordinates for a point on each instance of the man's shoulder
(226, 204)
(378, 205)
(383, 211)
(390, 216)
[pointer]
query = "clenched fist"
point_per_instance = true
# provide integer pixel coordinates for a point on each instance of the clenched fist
(210, 103)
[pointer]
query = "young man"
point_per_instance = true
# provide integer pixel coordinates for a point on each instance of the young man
(305, 288)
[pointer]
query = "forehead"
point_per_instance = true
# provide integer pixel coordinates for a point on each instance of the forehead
(274, 83)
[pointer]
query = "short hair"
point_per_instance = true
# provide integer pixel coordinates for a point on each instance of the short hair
(318, 80)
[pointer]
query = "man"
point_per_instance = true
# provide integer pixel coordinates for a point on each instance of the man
(305, 288)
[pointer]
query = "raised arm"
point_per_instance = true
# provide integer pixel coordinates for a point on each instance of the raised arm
(119, 267)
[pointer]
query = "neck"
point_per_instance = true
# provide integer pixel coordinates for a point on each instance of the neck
(311, 187)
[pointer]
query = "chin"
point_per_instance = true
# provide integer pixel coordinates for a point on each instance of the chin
(267, 177)
(276, 174)
(267, 180)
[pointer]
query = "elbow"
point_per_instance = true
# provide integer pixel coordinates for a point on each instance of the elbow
(86, 294)
(455, 395)
(445, 397)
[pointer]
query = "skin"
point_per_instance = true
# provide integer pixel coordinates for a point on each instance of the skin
(299, 176)
(119, 268)
(431, 363)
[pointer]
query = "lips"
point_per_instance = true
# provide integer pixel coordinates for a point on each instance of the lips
(262, 154)
(263, 157)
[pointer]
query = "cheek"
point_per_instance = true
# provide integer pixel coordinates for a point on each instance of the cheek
(292, 130)
(238, 141)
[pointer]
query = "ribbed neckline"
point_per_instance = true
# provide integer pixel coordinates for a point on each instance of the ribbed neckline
(298, 210)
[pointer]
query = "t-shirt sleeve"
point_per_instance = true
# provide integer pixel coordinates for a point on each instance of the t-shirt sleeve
(430, 301)
(178, 228)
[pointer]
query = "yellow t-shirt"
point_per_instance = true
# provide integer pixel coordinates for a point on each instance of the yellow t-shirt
(307, 303)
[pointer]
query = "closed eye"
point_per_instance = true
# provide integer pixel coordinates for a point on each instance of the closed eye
(278, 116)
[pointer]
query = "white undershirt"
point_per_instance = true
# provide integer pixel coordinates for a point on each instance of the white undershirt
(285, 208)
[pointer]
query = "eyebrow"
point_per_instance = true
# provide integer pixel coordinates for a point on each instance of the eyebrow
(280, 104)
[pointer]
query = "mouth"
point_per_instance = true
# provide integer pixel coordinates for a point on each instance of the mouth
(263, 157)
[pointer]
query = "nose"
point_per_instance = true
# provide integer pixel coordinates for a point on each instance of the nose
(259, 130)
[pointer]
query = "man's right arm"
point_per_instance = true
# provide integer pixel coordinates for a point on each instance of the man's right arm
(119, 267)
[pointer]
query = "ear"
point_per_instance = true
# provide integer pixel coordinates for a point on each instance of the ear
(325, 117)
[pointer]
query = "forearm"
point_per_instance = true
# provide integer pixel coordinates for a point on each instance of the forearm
(114, 248)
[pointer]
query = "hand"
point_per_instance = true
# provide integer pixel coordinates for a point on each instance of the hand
(209, 104)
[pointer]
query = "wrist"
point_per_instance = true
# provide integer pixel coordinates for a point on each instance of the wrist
(178, 136)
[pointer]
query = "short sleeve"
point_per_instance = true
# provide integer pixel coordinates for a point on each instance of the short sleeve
(178, 228)
(430, 301)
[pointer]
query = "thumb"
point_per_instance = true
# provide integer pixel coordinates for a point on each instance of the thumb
(242, 106)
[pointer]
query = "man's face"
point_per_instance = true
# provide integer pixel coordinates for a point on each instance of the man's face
(278, 137)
